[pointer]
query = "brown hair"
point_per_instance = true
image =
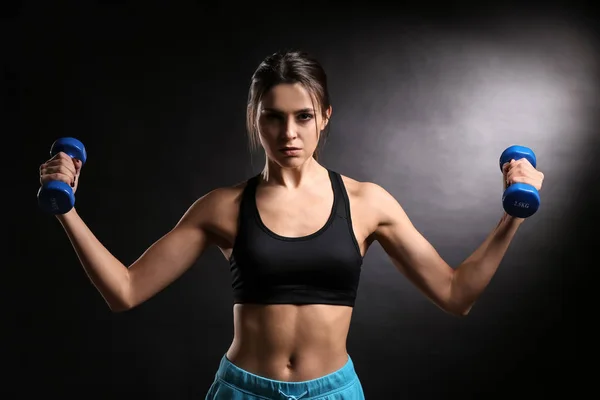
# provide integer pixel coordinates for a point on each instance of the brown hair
(287, 67)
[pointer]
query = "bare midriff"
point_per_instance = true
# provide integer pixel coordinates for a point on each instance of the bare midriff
(290, 342)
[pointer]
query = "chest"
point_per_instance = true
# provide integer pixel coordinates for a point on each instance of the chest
(295, 215)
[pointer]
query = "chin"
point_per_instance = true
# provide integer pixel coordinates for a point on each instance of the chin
(290, 162)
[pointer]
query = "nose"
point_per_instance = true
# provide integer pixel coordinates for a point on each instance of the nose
(289, 128)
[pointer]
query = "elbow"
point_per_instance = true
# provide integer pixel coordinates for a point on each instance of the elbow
(458, 309)
(458, 313)
(119, 308)
(463, 311)
(122, 301)
(457, 304)
(453, 309)
(119, 305)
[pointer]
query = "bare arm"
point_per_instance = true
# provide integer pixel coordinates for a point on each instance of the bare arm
(166, 260)
(453, 290)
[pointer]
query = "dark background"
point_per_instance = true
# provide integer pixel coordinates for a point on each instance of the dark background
(425, 99)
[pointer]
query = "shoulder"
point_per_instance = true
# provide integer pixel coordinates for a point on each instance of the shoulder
(217, 202)
(369, 192)
(372, 197)
(224, 195)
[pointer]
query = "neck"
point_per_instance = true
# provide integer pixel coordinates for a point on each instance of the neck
(290, 178)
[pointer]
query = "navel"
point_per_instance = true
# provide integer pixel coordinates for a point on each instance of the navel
(291, 364)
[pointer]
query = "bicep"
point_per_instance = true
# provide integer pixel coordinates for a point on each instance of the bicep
(169, 257)
(410, 251)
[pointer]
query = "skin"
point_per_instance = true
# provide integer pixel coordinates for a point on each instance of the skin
(294, 197)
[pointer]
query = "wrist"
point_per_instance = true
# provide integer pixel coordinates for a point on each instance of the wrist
(69, 215)
(510, 220)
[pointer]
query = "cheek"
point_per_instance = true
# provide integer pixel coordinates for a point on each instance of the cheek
(314, 136)
(314, 130)
(268, 130)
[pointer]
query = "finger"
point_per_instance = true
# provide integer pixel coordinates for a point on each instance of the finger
(59, 169)
(61, 156)
(56, 177)
(523, 179)
(517, 179)
(58, 156)
(78, 164)
(62, 163)
(67, 159)
(525, 162)
(512, 176)
(510, 164)
(527, 170)
(523, 175)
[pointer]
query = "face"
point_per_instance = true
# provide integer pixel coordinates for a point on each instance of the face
(289, 124)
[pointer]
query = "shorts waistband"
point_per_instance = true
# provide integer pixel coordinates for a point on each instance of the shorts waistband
(259, 386)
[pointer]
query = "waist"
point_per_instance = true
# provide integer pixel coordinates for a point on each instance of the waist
(290, 342)
(334, 382)
(293, 294)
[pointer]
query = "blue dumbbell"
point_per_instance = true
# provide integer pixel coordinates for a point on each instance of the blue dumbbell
(519, 199)
(57, 197)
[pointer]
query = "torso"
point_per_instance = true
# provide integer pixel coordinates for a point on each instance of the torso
(289, 342)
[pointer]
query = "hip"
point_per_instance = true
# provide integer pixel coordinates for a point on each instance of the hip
(235, 383)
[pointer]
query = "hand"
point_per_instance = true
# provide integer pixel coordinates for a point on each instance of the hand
(521, 171)
(63, 168)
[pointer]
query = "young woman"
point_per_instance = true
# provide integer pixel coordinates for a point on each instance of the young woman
(295, 236)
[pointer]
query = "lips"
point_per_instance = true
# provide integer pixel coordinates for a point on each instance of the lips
(290, 151)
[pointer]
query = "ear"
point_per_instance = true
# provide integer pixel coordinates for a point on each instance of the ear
(326, 118)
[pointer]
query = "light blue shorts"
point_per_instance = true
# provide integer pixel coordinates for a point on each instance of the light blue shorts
(234, 383)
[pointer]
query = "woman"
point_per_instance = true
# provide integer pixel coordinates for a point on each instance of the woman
(295, 236)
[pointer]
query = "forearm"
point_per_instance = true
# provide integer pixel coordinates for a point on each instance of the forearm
(107, 273)
(474, 274)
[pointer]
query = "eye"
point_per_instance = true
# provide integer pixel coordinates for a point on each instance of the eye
(272, 117)
(305, 116)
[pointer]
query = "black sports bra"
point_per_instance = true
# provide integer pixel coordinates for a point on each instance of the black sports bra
(321, 268)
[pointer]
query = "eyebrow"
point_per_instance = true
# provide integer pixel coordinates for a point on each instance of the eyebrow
(303, 110)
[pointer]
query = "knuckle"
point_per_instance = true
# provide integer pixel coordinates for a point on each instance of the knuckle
(63, 169)
(61, 177)
(45, 178)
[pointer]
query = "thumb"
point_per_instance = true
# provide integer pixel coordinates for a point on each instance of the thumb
(78, 164)
(506, 165)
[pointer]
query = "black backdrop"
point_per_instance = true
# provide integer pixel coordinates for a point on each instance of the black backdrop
(425, 99)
